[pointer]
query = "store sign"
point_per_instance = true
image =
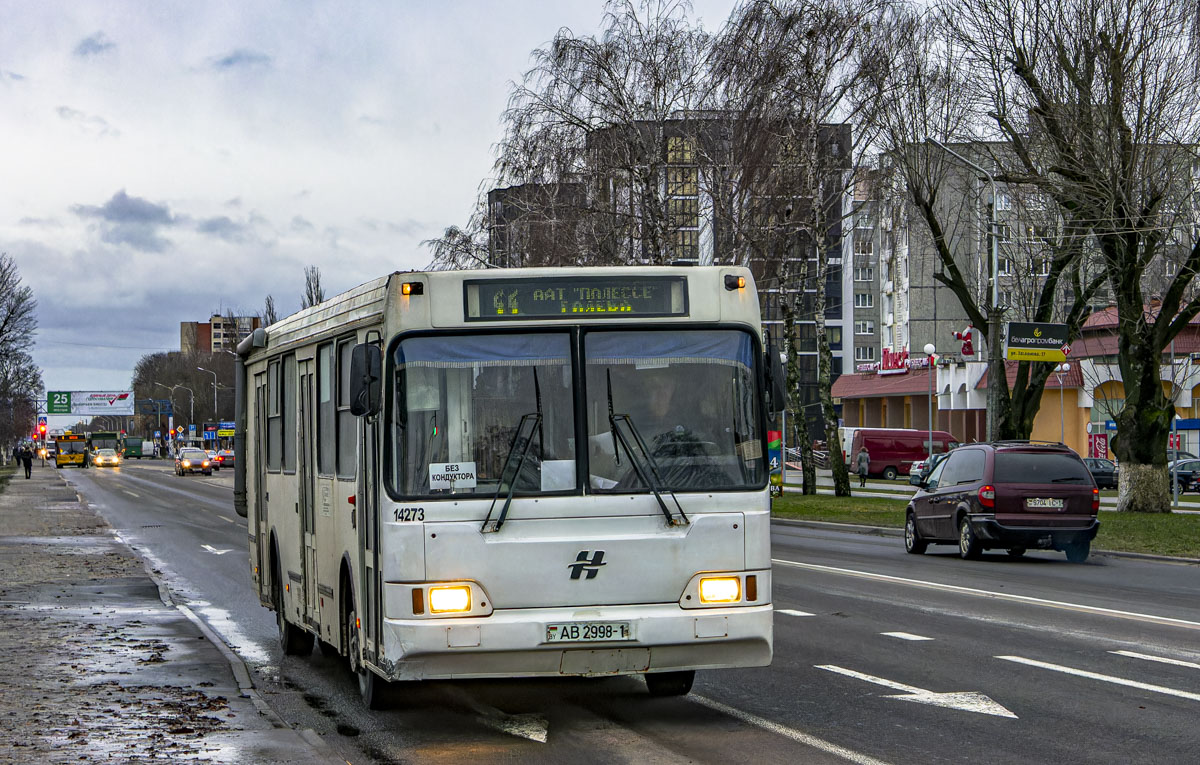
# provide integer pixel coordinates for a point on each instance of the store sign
(1034, 341)
(1098, 445)
(894, 362)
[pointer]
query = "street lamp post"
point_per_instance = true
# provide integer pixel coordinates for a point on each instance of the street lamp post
(214, 374)
(994, 365)
(929, 354)
(1059, 371)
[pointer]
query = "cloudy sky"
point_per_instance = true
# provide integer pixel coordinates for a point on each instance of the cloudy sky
(164, 160)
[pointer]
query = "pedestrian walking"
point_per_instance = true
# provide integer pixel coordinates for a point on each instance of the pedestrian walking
(863, 463)
(27, 460)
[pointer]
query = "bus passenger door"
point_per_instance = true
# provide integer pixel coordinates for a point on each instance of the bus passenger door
(368, 536)
(305, 492)
(262, 527)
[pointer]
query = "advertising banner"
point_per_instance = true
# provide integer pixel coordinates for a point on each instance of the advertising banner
(775, 455)
(90, 403)
(1032, 341)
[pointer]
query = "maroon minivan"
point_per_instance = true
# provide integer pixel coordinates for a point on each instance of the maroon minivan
(1011, 495)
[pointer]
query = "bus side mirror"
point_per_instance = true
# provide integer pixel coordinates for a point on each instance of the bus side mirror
(776, 379)
(365, 379)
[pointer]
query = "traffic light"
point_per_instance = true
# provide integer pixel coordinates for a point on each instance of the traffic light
(41, 428)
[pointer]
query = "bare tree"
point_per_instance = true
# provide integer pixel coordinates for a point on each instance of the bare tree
(313, 292)
(20, 379)
(1097, 100)
(268, 316)
(602, 111)
(459, 248)
(798, 74)
(1048, 277)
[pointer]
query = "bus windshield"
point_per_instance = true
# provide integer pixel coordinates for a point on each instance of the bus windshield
(459, 401)
(690, 395)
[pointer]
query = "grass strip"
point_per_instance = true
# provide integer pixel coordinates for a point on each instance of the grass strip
(1151, 533)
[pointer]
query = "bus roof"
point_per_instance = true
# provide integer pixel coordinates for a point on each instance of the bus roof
(446, 301)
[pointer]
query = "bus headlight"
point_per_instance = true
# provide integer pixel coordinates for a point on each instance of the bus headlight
(449, 600)
(720, 589)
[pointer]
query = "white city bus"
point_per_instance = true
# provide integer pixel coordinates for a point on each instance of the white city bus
(515, 473)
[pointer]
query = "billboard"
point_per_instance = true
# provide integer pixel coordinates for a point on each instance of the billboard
(1031, 341)
(89, 403)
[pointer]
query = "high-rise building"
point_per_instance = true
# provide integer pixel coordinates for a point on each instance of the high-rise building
(220, 333)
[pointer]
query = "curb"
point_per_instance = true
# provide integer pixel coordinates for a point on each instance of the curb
(241, 672)
(886, 531)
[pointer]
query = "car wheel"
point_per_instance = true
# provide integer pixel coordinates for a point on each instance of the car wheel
(968, 544)
(670, 683)
(1016, 552)
(913, 544)
(1077, 552)
(890, 473)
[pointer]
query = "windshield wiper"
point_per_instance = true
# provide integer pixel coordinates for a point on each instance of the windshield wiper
(522, 443)
(518, 452)
(651, 477)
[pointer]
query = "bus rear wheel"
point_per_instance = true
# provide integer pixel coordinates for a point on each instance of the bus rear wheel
(670, 683)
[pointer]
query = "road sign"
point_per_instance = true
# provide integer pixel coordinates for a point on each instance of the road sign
(90, 403)
(191, 428)
(58, 402)
(179, 430)
(158, 434)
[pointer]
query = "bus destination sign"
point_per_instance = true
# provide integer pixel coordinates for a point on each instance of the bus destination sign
(566, 297)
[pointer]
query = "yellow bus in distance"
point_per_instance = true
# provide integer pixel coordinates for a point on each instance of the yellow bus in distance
(72, 450)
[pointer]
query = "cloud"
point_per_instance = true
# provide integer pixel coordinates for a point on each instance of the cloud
(240, 59)
(88, 123)
(224, 227)
(300, 224)
(94, 46)
(133, 221)
(7, 75)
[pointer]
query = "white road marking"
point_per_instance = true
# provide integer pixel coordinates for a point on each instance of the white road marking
(966, 701)
(905, 636)
(227, 520)
(215, 551)
(1160, 659)
(791, 612)
(1102, 678)
(1151, 618)
(786, 732)
(130, 493)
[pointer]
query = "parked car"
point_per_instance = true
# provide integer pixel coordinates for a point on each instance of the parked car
(1179, 454)
(109, 457)
(225, 458)
(1104, 472)
(893, 450)
(925, 467)
(189, 460)
(1011, 495)
(1186, 473)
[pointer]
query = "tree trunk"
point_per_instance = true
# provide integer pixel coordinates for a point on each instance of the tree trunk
(1143, 427)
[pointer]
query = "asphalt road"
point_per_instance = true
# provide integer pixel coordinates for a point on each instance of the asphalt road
(879, 657)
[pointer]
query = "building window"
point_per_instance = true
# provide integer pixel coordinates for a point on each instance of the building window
(1006, 300)
(1006, 266)
(1003, 201)
(864, 274)
(682, 181)
(1172, 267)
(864, 353)
(864, 300)
(864, 327)
(687, 243)
(680, 151)
(683, 212)
(862, 246)
(1004, 231)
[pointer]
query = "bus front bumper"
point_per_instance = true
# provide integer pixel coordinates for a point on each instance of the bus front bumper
(513, 643)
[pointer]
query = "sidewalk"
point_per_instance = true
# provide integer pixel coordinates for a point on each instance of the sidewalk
(100, 666)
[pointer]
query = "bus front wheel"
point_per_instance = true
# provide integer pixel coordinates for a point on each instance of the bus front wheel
(371, 686)
(670, 683)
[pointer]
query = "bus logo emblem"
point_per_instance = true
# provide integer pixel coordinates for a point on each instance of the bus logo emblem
(584, 563)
